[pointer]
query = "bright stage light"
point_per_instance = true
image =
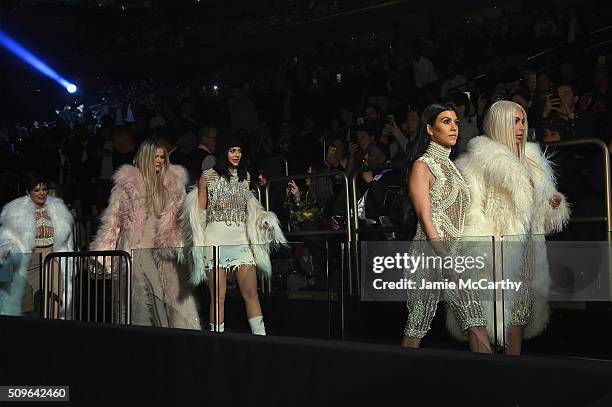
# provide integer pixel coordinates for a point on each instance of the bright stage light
(14, 47)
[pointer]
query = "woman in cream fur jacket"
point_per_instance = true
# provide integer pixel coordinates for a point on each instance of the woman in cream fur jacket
(514, 199)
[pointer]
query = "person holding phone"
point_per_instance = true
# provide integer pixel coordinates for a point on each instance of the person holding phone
(357, 150)
(561, 119)
(335, 157)
(390, 135)
(307, 208)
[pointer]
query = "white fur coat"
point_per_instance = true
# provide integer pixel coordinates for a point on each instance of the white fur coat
(18, 235)
(506, 203)
(263, 230)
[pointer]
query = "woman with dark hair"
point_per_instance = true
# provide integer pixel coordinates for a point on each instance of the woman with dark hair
(35, 225)
(222, 213)
(318, 193)
(441, 199)
(307, 208)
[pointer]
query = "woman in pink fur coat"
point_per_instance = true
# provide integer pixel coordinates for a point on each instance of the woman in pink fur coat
(143, 214)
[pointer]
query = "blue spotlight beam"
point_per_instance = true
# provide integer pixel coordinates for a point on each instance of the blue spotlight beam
(31, 59)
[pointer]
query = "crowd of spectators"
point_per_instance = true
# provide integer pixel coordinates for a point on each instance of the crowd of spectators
(333, 106)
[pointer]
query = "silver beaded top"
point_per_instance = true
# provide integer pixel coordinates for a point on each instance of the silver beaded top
(227, 201)
(449, 195)
(44, 228)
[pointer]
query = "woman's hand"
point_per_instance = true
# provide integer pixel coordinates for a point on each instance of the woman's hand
(293, 190)
(333, 223)
(555, 201)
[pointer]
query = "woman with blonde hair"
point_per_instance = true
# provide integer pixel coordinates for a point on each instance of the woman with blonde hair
(515, 200)
(142, 217)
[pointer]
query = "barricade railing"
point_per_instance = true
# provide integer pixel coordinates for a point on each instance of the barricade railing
(354, 201)
(289, 274)
(346, 231)
(355, 227)
(88, 286)
(285, 165)
(607, 217)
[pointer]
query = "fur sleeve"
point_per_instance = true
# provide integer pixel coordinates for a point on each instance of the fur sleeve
(263, 231)
(555, 220)
(547, 219)
(169, 227)
(109, 230)
(476, 222)
(263, 226)
(63, 224)
(17, 226)
(193, 224)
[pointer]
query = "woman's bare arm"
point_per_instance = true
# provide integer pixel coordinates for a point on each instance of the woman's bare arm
(202, 193)
(419, 184)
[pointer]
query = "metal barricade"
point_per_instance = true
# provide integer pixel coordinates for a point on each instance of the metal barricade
(88, 286)
(296, 236)
(285, 165)
(355, 219)
(607, 190)
(346, 231)
(323, 174)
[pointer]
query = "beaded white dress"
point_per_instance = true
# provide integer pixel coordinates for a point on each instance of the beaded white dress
(450, 200)
(226, 215)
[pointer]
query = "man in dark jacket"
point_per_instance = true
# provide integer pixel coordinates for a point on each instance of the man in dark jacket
(373, 191)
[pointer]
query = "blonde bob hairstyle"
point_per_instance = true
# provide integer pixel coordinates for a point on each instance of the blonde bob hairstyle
(157, 194)
(499, 124)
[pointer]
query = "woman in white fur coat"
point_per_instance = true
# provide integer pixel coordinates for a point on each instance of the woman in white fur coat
(223, 214)
(143, 217)
(34, 224)
(514, 195)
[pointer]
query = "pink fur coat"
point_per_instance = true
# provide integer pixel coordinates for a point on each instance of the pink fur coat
(122, 227)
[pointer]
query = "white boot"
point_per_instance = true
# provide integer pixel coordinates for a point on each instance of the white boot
(217, 328)
(257, 325)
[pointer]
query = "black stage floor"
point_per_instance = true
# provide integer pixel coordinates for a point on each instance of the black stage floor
(125, 366)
